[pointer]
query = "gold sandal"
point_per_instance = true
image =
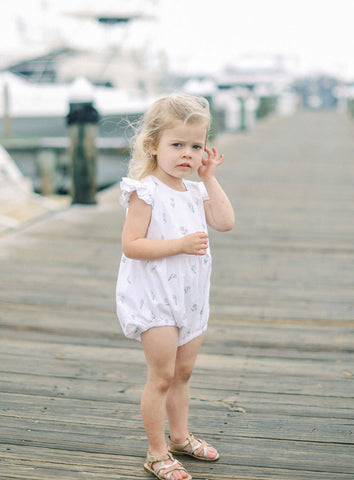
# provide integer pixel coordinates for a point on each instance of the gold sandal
(199, 451)
(164, 471)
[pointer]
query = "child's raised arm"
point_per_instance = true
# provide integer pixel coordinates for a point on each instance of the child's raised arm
(135, 244)
(218, 209)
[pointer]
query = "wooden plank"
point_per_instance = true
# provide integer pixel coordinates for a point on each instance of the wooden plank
(79, 364)
(38, 462)
(250, 451)
(127, 360)
(276, 427)
(128, 389)
(108, 333)
(108, 438)
(37, 406)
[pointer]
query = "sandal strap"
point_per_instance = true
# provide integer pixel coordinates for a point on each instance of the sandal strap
(166, 470)
(189, 441)
(182, 446)
(150, 459)
(201, 448)
(196, 450)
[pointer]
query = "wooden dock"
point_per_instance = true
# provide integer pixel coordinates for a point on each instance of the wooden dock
(273, 388)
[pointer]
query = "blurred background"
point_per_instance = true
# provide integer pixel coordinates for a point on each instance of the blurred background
(250, 59)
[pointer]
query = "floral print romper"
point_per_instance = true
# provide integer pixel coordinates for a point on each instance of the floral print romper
(170, 291)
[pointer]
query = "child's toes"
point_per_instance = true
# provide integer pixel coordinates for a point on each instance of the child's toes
(212, 453)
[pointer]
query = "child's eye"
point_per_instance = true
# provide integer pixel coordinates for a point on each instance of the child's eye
(177, 144)
(197, 147)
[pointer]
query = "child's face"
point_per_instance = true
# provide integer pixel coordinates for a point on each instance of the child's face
(180, 150)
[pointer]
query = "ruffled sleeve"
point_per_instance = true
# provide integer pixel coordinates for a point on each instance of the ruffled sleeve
(144, 191)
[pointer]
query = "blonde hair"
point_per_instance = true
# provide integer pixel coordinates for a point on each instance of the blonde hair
(163, 114)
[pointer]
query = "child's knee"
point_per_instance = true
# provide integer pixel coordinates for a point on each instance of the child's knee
(183, 373)
(162, 380)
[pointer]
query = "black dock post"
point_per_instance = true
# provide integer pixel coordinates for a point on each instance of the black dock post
(82, 122)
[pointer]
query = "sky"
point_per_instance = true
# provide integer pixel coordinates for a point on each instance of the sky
(312, 36)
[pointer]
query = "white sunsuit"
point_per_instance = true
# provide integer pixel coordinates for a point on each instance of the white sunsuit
(172, 291)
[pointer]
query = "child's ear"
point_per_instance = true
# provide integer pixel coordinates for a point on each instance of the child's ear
(153, 147)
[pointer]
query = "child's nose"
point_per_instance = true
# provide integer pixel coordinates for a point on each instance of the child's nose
(187, 152)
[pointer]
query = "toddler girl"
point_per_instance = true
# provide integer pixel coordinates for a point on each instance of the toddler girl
(164, 276)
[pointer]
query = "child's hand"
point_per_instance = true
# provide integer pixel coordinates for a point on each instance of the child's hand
(195, 243)
(208, 166)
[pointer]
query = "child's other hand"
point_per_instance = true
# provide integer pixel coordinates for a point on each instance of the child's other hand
(208, 166)
(195, 243)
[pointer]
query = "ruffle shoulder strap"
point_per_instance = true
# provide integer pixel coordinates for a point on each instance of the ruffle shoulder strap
(144, 191)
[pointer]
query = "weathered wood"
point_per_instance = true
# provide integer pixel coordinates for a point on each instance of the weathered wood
(273, 386)
(76, 356)
(38, 461)
(100, 409)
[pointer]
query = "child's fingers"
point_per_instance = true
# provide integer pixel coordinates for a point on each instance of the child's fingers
(208, 152)
(211, 153)
(214, 155)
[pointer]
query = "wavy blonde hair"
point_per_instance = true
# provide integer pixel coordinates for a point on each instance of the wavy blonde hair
(163, 114)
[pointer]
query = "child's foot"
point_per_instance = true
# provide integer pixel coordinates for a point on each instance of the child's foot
(165, 467)
(193, 447)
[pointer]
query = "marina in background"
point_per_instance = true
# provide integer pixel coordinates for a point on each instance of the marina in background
(36, 91)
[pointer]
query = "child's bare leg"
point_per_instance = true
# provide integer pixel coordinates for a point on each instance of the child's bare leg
(178, 395)
(160, 347)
